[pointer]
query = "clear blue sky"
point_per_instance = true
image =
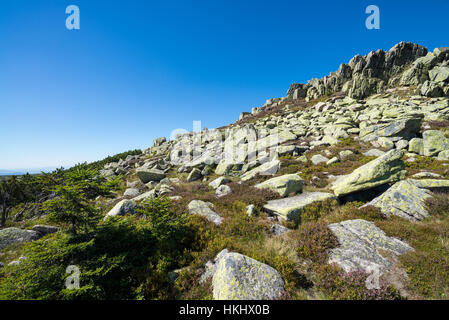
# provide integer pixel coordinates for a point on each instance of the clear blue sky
(136, 70)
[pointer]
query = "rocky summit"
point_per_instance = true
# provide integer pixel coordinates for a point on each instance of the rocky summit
(342, 180)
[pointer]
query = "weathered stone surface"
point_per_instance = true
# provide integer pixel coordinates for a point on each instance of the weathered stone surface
(360, 242)
(291, 208)
(238, 277)
(204, 209)
(218, 182)
(223, 167)
(284, 185)
(403, 199)
(278, 229)
(268, 168)
(318, 158)
(439, 74)
(223, 190)
(374, 153)
(385, 169)
(131, 192)
(159, 141)
(345, 154)
(122, 208)
(146, 195)
(431, 184)
(44, 230)
(406, 128)
(146, 175)
(434, 142)
(416, 145)
(194, 175)
(15, 235)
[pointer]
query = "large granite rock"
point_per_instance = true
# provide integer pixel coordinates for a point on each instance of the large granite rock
(15, 235)
(431, 184)
(218, 182)
(360, 242)
(291, 208)
(403, 199)
(131, 192)
(406, 128)
(147, 175)
(387, 168)
(194, 175)
(434, 142)
(204, 209)
(238, 277)
(122, 208)
(44, 230)
(268, 168)
(284, 185)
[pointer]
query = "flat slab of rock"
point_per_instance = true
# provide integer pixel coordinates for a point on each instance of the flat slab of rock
(15, 235)
(431, 184)
(238, 277)
(402, 127)
(385, 169)
(218, 182)
(146, 195)
(403, 199)
(284, 185)
(360, 241)
(291, 208)
(268, 168)
(373, 153)
(204, 209)
(146, 175)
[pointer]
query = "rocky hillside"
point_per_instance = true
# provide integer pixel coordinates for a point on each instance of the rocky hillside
(336, 191)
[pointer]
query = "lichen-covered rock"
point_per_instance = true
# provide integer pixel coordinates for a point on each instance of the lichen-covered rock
(194, 175)
(416, 145)
(439, 74)
(360, 242)
(403, 199)
(405, 128)
(434, 142)
(146, 195)
(268, 168)
(238, 277)
(44, 230)
(131, 192)
(122, 208)
(318, 158)
(443, 155)
(291, 208)
(147, 175)
(387, 168)
(284, 185)
(373, 153)
(204, 209)
(278, 229)
(218, 182)
(15, 235)
(431, 184)
(223, 190)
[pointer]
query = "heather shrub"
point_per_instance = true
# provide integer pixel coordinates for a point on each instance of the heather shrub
(316, 210)
(314, 242)
(438, 205)
(339, 285)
